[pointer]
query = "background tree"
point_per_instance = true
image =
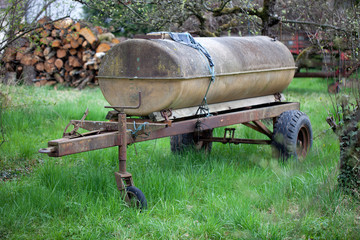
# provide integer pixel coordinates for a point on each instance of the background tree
(200, 17)
(19, 17)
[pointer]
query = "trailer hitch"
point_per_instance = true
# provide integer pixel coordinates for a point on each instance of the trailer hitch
(47, 150)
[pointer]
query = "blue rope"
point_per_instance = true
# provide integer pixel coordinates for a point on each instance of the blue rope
(188, 40)
(137, 129)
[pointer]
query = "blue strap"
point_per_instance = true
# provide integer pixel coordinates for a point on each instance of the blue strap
(188, 40)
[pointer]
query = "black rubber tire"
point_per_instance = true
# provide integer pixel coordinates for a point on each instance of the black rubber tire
(184, 142)
(136, 197)
(292, 135)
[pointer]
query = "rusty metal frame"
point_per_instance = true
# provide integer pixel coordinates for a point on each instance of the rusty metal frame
(106, 134)
(126, 131)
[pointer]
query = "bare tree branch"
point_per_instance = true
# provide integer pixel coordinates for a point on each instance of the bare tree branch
(42, 11)
(314, 24)
(11, 40)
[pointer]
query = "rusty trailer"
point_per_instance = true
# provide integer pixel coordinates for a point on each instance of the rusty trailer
(194, 132)
(155, 86)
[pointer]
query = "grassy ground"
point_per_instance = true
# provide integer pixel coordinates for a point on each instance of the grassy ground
(236, 192)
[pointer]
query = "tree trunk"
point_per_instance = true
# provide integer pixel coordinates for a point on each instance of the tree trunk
(267, 17)
(349, 177)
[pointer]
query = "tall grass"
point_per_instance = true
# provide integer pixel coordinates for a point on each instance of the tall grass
(236, 192)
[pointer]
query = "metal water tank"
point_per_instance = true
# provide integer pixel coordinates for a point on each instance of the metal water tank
(171, 75)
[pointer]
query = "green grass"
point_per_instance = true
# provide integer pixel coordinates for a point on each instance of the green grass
(236, 192)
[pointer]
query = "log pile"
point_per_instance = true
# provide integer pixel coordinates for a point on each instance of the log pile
(62, 52)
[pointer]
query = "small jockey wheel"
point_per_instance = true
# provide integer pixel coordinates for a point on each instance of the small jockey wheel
(135, 198)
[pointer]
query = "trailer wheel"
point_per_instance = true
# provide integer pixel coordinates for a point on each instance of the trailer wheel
(136, 197)
(182, 142)
(292, 136)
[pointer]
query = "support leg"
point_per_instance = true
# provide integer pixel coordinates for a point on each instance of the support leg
(123, 178)
(132, 195)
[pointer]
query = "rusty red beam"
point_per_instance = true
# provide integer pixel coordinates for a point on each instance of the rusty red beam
(221, 120)
(67, 146)
(236, 140)
(113, 126)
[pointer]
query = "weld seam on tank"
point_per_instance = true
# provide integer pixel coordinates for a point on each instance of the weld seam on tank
(205, 76)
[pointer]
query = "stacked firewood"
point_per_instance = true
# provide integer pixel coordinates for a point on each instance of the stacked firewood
(62, 52)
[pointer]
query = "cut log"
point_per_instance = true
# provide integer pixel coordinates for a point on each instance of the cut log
(44, 41)
(62, 72)
(50, 83)
(87, 55)
(75, 73)
(55, 33)
(75, 35)
(61, 53)
(45, 33)
(44, 20)
(89, 64)
(85, 44)
(52, 60)
(67, 46)
(38, 52)
(83, 73)
(59, 63)
(115, 41)
(81, 40)
(68, 78)
(28, 75)
(28, 59)
(50, 39)
(77, 26)
(74, 61)
(74, 43)
(58, 78)
(83, 83)
(63, 33)
(106, 37)
(79, 54)
(48, 26)
(9, 54)
(99, 29)
(103, 47)
(49, 67)
(68, 38)
(47, 51)
(56, 43)
(68, 68)
(63, 23)
(50, 55)
(40, 66)
(88, 35)
(19, 55)
(72, 51)
(43, 81)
